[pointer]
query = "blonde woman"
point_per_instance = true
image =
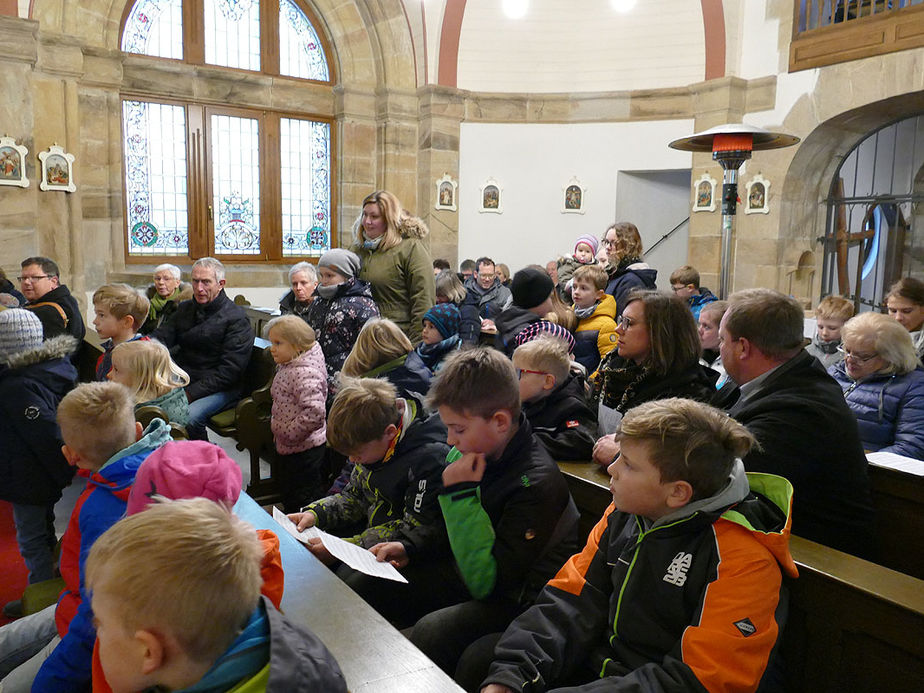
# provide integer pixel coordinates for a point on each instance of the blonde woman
(395, 261)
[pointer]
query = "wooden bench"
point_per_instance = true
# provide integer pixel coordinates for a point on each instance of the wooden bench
(899, 501)
(374, 656)
(853, 625)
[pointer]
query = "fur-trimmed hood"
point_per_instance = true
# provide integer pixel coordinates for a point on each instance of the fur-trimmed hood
(186, 292)
(408, 227)
(54, 348)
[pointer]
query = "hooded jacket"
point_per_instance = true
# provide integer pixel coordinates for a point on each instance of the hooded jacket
(337, 321)
(299, 391)
(509, 324)
(595, 335)
(687, 603)
(401, 277)
(183, 292)
(32, 383)
(52, 323)
(635, 275)
(408, 374)
(889, 410)
(100, 506)
(698, 300)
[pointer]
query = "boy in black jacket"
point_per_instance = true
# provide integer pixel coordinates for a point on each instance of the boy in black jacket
(553, 399)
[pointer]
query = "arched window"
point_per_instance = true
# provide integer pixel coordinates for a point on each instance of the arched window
(216, 177)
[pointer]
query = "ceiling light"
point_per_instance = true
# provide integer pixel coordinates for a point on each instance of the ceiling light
(516, 9)
(622, 5)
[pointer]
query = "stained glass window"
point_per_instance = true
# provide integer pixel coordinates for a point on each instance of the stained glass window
(300, 50)
(305, 167)
(155, 27)
(155, 178)
(232, 33)
(236, 185)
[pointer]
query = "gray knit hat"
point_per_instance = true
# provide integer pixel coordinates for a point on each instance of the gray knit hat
(342, 261)
(20, 330)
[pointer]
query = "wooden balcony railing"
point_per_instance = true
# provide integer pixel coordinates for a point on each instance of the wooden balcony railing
(826, 32)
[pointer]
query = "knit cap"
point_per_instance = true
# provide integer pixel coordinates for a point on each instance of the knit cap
(445, 318)
(544, 327)
(342, 261)
(20, 330)
(588, 239)
(186, 469)
(530, 287)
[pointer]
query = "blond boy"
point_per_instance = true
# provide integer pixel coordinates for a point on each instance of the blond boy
(553, 398)
(176, 593)
(510, 518)
(120, 313)
(830, 315)
(646, 602)
(595, 335)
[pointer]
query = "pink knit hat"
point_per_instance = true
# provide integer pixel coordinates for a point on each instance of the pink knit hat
(186, 469)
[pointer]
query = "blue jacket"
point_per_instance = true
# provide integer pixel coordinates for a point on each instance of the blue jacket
(636, 275)
(889, 410)
(697, 301)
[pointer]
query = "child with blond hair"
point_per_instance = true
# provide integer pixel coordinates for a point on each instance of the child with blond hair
(299, 393)
(120, 312)
(830, 315)
(176, 593)
(595, 335)
(145, 368)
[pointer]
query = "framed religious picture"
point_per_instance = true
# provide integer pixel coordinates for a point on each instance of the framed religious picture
(13, 163)
(57, 169)
(446, 189)
(491, 200)
(704, 194)
(572, 201)
(756, 201)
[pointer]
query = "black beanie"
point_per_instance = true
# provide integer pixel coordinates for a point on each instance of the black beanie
(530, 287)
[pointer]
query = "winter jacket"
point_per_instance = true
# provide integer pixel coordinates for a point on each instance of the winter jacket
(697, 301)
(33, 470)
(509, 324)
(595, 335)
(53, 323)
(635, 275)
(490, 302)
(104, 362)
(401, 277)
(174, 404)
(826, 352)
(563, 422)
(211, 342)
(692, 602)
(289, 306)
(156, 318)
(100, 506)
(408, 374)
(808, 435)
(617, 375)
(337, 321)
(299, 392)
(433, 355)
(515, 528)
(6, 287)
(395, 499)
(889, 410)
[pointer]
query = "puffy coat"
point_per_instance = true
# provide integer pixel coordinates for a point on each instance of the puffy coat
(211, 342)
(401, 277)
(595, 335)
(299, 392)
(889, 410)
(636, 275)
(697, 301)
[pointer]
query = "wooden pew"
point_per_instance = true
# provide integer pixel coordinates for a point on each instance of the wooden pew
(899, 501)
(374, 656)
(853, 625)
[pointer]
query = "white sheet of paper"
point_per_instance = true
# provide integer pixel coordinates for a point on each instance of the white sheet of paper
(354, 556)
(898, 462)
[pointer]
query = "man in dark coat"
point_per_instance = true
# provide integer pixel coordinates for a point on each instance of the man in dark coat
(211, 339)
(50, 300)
(484, 291)
(798, 414)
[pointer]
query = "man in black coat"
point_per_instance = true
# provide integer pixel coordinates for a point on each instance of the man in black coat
(50, 300)
(485, 293)
(800, 418)
(211, 339)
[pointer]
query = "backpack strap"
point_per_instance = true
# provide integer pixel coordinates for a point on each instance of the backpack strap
(58, 308)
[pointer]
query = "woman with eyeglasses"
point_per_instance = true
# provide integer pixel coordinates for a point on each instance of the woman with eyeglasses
(883, 384)
(657, 357)
(623, 245)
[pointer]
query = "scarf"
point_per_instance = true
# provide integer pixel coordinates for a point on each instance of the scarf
(581, 313)
(328, 292)
(826, 347)
(619, 385)
(158, 302)
(372, 244)
(626, 261)
(433, 354)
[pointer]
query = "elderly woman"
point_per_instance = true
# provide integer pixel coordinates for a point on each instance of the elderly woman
(883, 384)
(906, 305)
(395, 261)
(304, 278)
(164, 294)
(623, 245)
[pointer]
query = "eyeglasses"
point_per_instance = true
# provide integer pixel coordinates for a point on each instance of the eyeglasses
(626, 323)
(33, 278)
(675, 289)
(482, 275)
(855, 357)
(521, 371)
(607, 243)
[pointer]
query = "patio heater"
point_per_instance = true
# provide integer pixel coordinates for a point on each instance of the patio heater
(731, 145)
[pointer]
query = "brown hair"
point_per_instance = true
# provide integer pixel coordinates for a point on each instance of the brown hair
(390, 207)
(628, 241)
(561, 313)
(908, 288)
(362, 410)
(688, 441)
(769, 320)
(672, 333)
(594, 274)
(834, 308)
(121, 300)
(685, 275)
(476, 382)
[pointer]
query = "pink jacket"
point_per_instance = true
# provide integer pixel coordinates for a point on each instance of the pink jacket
(299, 391)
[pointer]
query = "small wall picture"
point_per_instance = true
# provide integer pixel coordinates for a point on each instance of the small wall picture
(491, 197)
(756, 201)
(573, 197)
(446, 189)
(57, 170)
(13, 163)
(704, 194)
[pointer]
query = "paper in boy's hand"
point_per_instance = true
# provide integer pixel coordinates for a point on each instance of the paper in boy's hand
(354, 556)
